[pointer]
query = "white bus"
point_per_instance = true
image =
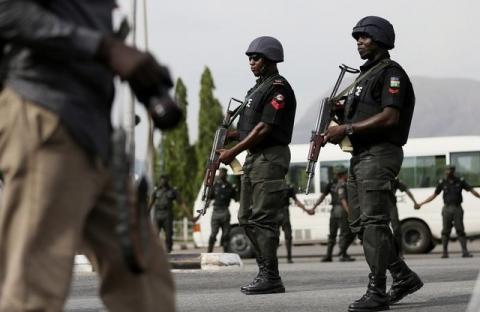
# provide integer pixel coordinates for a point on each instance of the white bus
(423, 166)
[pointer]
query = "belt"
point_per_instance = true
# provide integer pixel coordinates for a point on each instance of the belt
(259, 149)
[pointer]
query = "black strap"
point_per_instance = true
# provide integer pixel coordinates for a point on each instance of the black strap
(374, 70)
(237, 111)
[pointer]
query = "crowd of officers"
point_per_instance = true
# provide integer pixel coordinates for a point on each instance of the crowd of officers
(224, 192)
(376, 117)
(56, 154)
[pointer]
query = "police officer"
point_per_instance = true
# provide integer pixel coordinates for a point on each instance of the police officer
(452, 211)
(284, 219)
(394, 219)
(264, 130)
(223, 192)
(377, 116)
(338, 216)
(162, 203)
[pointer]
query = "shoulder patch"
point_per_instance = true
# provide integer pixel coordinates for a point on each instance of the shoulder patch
(394, 85)
(278, 101)
(394, 82)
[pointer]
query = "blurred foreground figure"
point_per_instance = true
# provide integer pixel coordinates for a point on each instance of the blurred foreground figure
(61, 57)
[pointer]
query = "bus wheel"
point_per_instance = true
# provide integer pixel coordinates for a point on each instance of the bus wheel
(416, 237)
(239, 243)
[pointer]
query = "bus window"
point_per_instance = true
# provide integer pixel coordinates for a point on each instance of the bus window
(422, 171)
(327, 171)
(467, 165)
(297, 177)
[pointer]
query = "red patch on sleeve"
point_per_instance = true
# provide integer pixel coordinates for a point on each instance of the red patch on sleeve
(278, 101)
(277, 105)
(393, 91)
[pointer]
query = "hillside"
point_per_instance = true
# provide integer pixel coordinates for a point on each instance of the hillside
(443, 107)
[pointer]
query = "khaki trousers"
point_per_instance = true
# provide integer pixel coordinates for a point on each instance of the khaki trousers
(57, 201)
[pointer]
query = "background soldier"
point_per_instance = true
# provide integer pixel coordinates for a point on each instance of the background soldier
(162, 203)
(394, 219)
(377, 116)
(452, 211)
(59, 193)
(338, 216)
(223, 192)
(284, 219)
(265, 130)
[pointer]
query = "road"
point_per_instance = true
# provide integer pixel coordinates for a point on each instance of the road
(311, 285)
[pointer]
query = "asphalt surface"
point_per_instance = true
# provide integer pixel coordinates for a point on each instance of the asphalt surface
(311, 285)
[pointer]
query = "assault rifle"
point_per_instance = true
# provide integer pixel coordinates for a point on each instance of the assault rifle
(213, 162)
(324, 119)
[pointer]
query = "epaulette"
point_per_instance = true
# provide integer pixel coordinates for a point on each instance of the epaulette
(278, 82)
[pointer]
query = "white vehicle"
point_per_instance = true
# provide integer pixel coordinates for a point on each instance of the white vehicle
(423, 166)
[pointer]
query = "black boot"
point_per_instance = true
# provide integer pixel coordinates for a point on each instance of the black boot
(463, 243)
(345, 242)
(375, 299)
(261, 271)
(264, 285)
(405, 281)
(267, 283)
(288, 244)
(328, 256)
(211, 243)
(445, 246)
(344, 257)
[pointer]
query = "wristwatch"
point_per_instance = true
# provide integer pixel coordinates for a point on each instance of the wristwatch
(348, 129)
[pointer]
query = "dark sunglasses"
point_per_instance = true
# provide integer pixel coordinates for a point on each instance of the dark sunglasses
(254, 57)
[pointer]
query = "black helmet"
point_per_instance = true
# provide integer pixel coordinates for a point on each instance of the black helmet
(450, 167)
(379, 29)
(269, 47)
(340, 170)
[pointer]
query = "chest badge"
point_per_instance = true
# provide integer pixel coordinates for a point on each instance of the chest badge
(358, 90)
(249, 103)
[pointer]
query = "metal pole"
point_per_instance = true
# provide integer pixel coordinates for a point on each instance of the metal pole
(185, 229)
(131, 107)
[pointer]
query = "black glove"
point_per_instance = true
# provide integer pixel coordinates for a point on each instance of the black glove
(149, 80)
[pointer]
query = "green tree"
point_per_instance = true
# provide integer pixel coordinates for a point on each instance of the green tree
(209, 118)
(178, 155)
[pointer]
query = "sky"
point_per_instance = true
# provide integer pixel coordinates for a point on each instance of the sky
(434, 38)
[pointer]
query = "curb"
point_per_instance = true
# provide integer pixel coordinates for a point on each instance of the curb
(221, 261)
(195, 261)
(206, 261)
(185, 261)
(81, 264)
